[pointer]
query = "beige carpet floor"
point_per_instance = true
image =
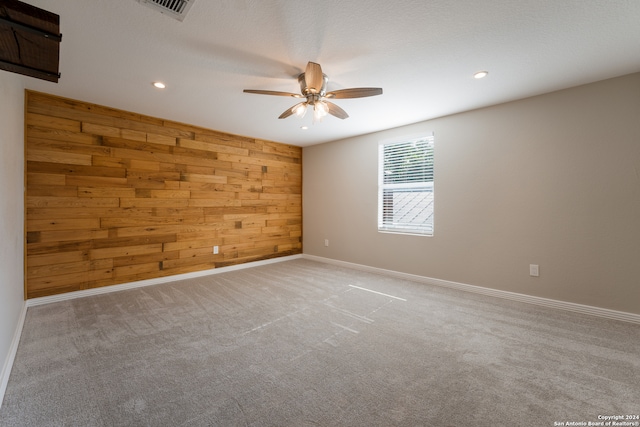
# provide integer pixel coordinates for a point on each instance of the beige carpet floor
(301, 343)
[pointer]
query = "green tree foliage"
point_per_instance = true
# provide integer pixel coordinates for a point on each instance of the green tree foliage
(409, 162)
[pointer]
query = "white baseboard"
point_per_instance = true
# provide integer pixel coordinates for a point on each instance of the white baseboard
(13, 349)
(529, 299)
(149, 282)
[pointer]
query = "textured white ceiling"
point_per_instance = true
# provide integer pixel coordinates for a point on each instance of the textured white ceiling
(421, 52)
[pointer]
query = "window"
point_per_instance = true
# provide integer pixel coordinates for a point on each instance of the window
(405, 186)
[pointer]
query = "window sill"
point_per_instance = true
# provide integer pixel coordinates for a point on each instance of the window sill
(406, 233)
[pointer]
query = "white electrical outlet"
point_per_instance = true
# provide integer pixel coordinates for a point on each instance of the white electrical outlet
(326, 242)
(534, 270)
(215, 250)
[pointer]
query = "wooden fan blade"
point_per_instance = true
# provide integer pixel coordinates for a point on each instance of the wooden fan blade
(291, 111)
(356, 92)
(334, 110)
(313, 77)
(273, 92)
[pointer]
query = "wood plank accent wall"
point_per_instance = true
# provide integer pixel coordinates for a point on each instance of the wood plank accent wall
(115, 197)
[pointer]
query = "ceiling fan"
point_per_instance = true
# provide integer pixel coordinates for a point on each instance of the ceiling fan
(313, 89)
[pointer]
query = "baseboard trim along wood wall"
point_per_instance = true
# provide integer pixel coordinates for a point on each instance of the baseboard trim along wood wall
(529, 299)
(150, 282)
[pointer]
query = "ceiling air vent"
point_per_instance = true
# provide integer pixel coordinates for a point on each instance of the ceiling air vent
(175, 8)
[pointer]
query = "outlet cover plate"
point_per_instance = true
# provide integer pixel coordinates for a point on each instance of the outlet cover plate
(534, 270)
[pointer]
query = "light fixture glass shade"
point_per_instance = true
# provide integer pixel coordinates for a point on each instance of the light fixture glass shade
(300, 110)
(320, 109)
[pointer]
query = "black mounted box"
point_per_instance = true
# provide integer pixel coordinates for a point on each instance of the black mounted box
(29, 40)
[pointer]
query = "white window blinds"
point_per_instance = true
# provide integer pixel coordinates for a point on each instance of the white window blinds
(405, 186)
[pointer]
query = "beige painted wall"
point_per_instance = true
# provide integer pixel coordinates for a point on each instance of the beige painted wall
(11, 213)
(552, 180)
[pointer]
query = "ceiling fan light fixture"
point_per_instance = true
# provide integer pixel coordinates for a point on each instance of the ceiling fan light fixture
(320, 109)
(300, 110)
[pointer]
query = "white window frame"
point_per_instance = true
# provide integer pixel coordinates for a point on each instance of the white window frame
(399, 223)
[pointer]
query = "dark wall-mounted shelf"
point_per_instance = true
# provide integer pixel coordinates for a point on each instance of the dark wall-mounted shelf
(29, 40)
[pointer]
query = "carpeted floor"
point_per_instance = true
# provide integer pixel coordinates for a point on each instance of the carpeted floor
(301, 343)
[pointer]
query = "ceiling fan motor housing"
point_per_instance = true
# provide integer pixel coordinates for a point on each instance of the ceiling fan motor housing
(305, 90)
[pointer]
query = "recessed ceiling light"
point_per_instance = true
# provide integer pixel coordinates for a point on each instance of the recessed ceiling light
(480, 74)
(159, 85)
(304, 127)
